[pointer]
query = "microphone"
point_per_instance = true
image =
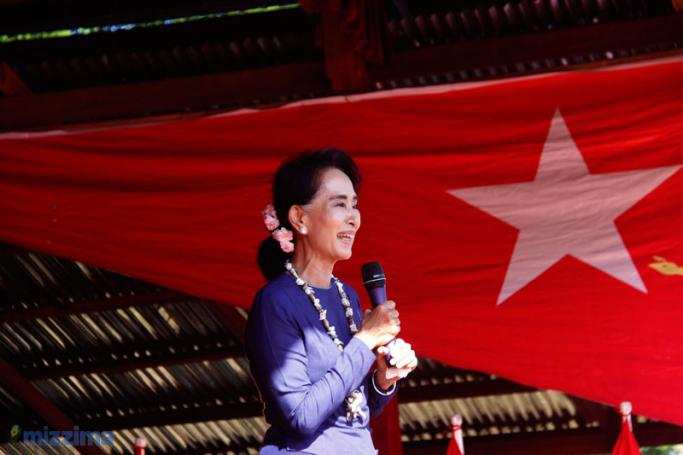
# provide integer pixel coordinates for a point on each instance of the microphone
(375, 283)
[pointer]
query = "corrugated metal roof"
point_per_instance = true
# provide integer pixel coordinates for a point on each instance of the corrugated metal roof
(483, 416)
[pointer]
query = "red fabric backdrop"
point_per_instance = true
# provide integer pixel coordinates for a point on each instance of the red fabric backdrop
(179, 204)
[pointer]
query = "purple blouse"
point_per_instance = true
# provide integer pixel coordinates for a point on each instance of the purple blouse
(301, 375)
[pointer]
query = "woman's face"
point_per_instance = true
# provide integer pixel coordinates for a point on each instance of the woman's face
(332, 217)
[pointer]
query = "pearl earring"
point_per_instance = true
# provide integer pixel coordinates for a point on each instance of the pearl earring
(304, 230)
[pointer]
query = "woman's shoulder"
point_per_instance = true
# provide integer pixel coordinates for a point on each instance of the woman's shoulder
(275, 293)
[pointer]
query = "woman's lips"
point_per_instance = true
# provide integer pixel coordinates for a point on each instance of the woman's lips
(346, 237)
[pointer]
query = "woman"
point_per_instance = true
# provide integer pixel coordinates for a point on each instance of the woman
(308, 349)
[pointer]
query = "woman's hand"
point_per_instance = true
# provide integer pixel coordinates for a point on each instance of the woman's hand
(380, 325)
(403, 361)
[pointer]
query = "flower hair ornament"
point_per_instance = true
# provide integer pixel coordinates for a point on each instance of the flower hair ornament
(281, 234)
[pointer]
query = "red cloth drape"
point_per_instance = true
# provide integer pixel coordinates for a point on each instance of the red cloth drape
(386, 430)
(529, 228)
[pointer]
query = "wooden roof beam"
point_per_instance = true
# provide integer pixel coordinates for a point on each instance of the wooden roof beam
(494, 427)
(203, 93)
(535, 46)
(454, 390)
(53, 310)
(178, 352)
(231, 318)
(179, 416)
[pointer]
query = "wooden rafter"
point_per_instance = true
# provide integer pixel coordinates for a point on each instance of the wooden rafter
(421, 393)
(180, 415)
(129, 358)
(521, 425)
(162, 97)
(231, 318)
(54, 310)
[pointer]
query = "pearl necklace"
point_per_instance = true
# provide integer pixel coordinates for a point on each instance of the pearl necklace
(308, 290)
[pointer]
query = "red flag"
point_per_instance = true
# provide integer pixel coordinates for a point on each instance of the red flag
(140, 445)
(529, 228)
(455, 446)
(626, 444)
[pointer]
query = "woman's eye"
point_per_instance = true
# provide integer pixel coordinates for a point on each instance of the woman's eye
(343, 204)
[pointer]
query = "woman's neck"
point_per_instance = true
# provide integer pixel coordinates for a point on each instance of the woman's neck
(314, 270)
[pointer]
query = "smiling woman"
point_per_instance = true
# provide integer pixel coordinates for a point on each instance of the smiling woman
(315, 197)
(308, 349)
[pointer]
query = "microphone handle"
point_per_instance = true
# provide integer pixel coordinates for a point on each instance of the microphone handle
(378, 296)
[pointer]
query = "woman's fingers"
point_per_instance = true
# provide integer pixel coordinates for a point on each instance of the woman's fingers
(380, 324)
(406, 361)
(402, 354)
(402, 360)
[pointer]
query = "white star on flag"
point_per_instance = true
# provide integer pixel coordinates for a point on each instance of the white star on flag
(566, 211)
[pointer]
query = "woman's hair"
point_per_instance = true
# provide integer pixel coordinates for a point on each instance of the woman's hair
(296, 182)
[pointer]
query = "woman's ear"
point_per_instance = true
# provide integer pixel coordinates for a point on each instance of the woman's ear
(297, 218)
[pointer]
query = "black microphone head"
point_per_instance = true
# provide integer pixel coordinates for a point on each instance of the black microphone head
(373, 275)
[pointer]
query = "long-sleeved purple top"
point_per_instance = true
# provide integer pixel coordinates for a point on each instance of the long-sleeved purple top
(303, 377)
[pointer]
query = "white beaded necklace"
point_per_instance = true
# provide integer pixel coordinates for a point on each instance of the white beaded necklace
(354, 400)
(308, 290)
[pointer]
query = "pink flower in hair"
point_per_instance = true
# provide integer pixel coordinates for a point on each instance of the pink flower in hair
(287, 247)
(284, 236)
(270, 217)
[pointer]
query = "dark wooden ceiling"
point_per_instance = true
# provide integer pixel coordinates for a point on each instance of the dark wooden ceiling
(266, 57)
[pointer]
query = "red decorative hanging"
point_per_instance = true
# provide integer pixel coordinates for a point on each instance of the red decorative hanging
(626, 444)
(456, 447)
(140, 445)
